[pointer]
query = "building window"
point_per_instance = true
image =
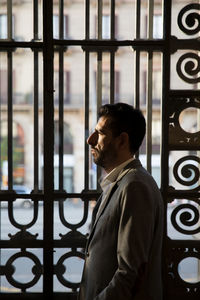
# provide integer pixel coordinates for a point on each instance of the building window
(106, 27)
(18, 154)
(67, 139)
(106, 86)
(157, 27)
(66, 87)
(4, 26)
(68, 157)
(156, 87)
(56, 26)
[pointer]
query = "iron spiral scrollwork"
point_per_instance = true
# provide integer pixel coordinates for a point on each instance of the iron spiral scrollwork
(189, 171)
(192, 20)
(188, 68)
(185, 219)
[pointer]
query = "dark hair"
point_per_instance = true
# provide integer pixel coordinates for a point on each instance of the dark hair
(125, 118)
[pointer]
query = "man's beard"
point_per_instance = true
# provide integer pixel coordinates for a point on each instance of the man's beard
(105, 158)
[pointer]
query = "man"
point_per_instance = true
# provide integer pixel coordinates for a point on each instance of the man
(123, 253)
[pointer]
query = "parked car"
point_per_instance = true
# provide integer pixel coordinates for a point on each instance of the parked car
(20, 202)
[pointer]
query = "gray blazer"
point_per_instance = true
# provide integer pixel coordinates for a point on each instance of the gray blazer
(123, 253)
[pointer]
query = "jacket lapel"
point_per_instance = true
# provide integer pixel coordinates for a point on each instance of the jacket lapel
(106, 200)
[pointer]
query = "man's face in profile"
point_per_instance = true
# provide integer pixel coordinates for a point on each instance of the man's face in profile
(104, 147)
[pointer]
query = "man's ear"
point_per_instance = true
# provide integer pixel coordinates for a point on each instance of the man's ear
(124, 139)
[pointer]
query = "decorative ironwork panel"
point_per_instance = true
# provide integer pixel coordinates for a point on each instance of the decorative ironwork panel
(182, 193)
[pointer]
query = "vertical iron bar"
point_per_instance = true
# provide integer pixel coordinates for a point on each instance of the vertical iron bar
(35, 20)
(149, 109)
(10, 98)
(10, 120)
(99, 67)
(137, 57)
(61, 19)
(137, 80)
(61, 118)
(150, 18)
(36, 98)
(112, 77)
(99, 20)
(61, 95)
(9, 19)
(165, 131)
(36, 121)
(87, 96)
(137, 60)
(137, 18)
(99, 56)
(87, 19)
(112, 53)
(149, 87)
(112, 20)
(48, 147)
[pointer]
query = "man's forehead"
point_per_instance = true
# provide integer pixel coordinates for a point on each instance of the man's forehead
(103, 123)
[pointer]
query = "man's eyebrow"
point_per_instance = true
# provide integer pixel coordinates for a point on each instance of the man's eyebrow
(101, 130)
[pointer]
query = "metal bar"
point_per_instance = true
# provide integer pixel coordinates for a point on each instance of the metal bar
(61, 117)
(149, 110)
(87, 100)
(61, 96)
(36, 121)
(48, 148)
(35, 20)
(112, 53)
(36, 98)
(99, 20)
(9, 19)
(10, 98)
(10, 120)
(112, 77)
(99, 79)
(137, 80)
(99, 70)
(87, 20)
(150, 18)
(156, 45)
(137, 18)
(87, 96)
(61, 19)
(112, 20)
(165, 129)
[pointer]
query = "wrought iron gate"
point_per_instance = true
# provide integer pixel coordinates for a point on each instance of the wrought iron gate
(161, 43)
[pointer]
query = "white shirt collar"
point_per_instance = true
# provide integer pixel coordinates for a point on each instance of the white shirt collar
(112, 176)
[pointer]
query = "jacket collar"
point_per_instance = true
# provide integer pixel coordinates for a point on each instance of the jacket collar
(135, 163)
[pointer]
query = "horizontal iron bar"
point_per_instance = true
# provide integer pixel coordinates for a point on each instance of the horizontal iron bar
(11, 195)
(28, 244)
(143, 44)
(37, 296)
(185, 93)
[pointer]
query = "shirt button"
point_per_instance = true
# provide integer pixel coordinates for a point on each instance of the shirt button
(87, 253)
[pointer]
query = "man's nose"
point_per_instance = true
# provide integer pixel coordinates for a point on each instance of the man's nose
(92, 140)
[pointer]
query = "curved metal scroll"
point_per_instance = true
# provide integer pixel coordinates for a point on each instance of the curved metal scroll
(188, 68)
(184, 217)
(192, 20)
(189, 171)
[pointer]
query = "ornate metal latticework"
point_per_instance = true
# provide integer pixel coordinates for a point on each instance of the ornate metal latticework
(44, 254)
(185, 215)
